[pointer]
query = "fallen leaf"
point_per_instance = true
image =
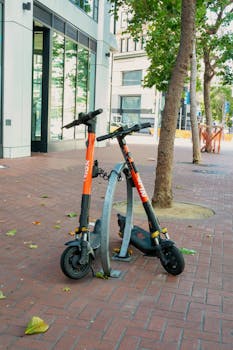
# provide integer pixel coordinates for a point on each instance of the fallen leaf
(33, 246)
(36, 325)
(2, 296)
(188, 251)
(66, 289)
(11, 232)
(44, 196)
(36, 222)
(57, 226)
(101, 275)
(117, 250)
(72, 233)
(72, 215)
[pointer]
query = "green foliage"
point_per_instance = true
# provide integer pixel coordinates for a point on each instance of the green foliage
(218, 96)
(162, 19)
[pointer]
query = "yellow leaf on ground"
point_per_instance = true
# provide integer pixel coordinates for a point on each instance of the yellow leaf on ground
(66, 289)
(33, 246)
(36, 325)
(2, 296)
(11, 232)
(72, 233)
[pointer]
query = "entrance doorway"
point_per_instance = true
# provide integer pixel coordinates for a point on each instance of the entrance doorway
(40, 89)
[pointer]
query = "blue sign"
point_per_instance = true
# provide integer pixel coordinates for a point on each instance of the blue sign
(187, 98)
(227, 107)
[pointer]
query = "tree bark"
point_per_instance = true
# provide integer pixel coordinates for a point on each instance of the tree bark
(163, 195)
(193, 108)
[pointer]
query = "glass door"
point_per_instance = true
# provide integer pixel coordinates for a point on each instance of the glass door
(40, 88)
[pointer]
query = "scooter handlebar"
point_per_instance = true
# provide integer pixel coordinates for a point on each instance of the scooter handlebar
(83, 118)
(123, 131)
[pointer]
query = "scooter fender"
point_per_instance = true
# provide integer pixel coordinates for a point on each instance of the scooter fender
(74, 243)
(77, 243)
(166, 243)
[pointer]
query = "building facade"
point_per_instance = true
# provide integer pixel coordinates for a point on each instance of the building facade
(131, 102)
(54, 57)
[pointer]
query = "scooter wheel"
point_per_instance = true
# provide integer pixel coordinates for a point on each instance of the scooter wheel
(175, 260)
(70, 264)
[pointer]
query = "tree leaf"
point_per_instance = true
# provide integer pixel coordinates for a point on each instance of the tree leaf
(72, 233)
(2, 296)
(36, 325)
(188, 251)
(57, 227)
(66, 289)
(72, 215)
(11, 232)
(33, 246)
(101, 275)
(36, 222)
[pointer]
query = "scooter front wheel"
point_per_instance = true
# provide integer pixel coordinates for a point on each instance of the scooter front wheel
(70, 263)
(174, 263)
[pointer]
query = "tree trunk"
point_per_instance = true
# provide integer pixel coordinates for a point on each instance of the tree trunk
(163, 195)
(208, 75)
(193, 108)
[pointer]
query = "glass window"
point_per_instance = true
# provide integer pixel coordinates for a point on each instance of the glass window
(69, 87)
(72, 86)
(37, 86)
(123, 45)
(131, 45)
(132, 77)
(124, 19)
(57, 87)
(82, 84)
(91, 81)
(130, 109)
(89, 6)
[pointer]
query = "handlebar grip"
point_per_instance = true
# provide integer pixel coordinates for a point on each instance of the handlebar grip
(104, 137)
(70, 125)
(83, 118)
(123, 131)
(96, 112)
(145, 125)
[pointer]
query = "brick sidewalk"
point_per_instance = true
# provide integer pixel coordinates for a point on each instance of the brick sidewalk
(145, 308)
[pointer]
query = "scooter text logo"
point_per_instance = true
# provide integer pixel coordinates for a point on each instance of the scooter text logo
(87, 165)
(142, 190)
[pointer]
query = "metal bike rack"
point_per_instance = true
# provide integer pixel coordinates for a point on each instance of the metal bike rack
(106, 220)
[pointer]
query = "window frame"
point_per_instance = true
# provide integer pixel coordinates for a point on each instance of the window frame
(137, 82)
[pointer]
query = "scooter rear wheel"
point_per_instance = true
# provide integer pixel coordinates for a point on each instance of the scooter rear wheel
(70, 263)
(176, 263)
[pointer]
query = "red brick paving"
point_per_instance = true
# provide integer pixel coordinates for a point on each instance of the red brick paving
(145, 309)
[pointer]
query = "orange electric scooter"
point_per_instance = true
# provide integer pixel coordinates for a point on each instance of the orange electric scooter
(77, 257)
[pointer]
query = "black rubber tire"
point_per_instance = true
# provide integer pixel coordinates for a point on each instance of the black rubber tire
(70, 264)
(176, 262)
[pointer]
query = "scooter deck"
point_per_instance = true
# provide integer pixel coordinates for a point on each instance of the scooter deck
(139, 238)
